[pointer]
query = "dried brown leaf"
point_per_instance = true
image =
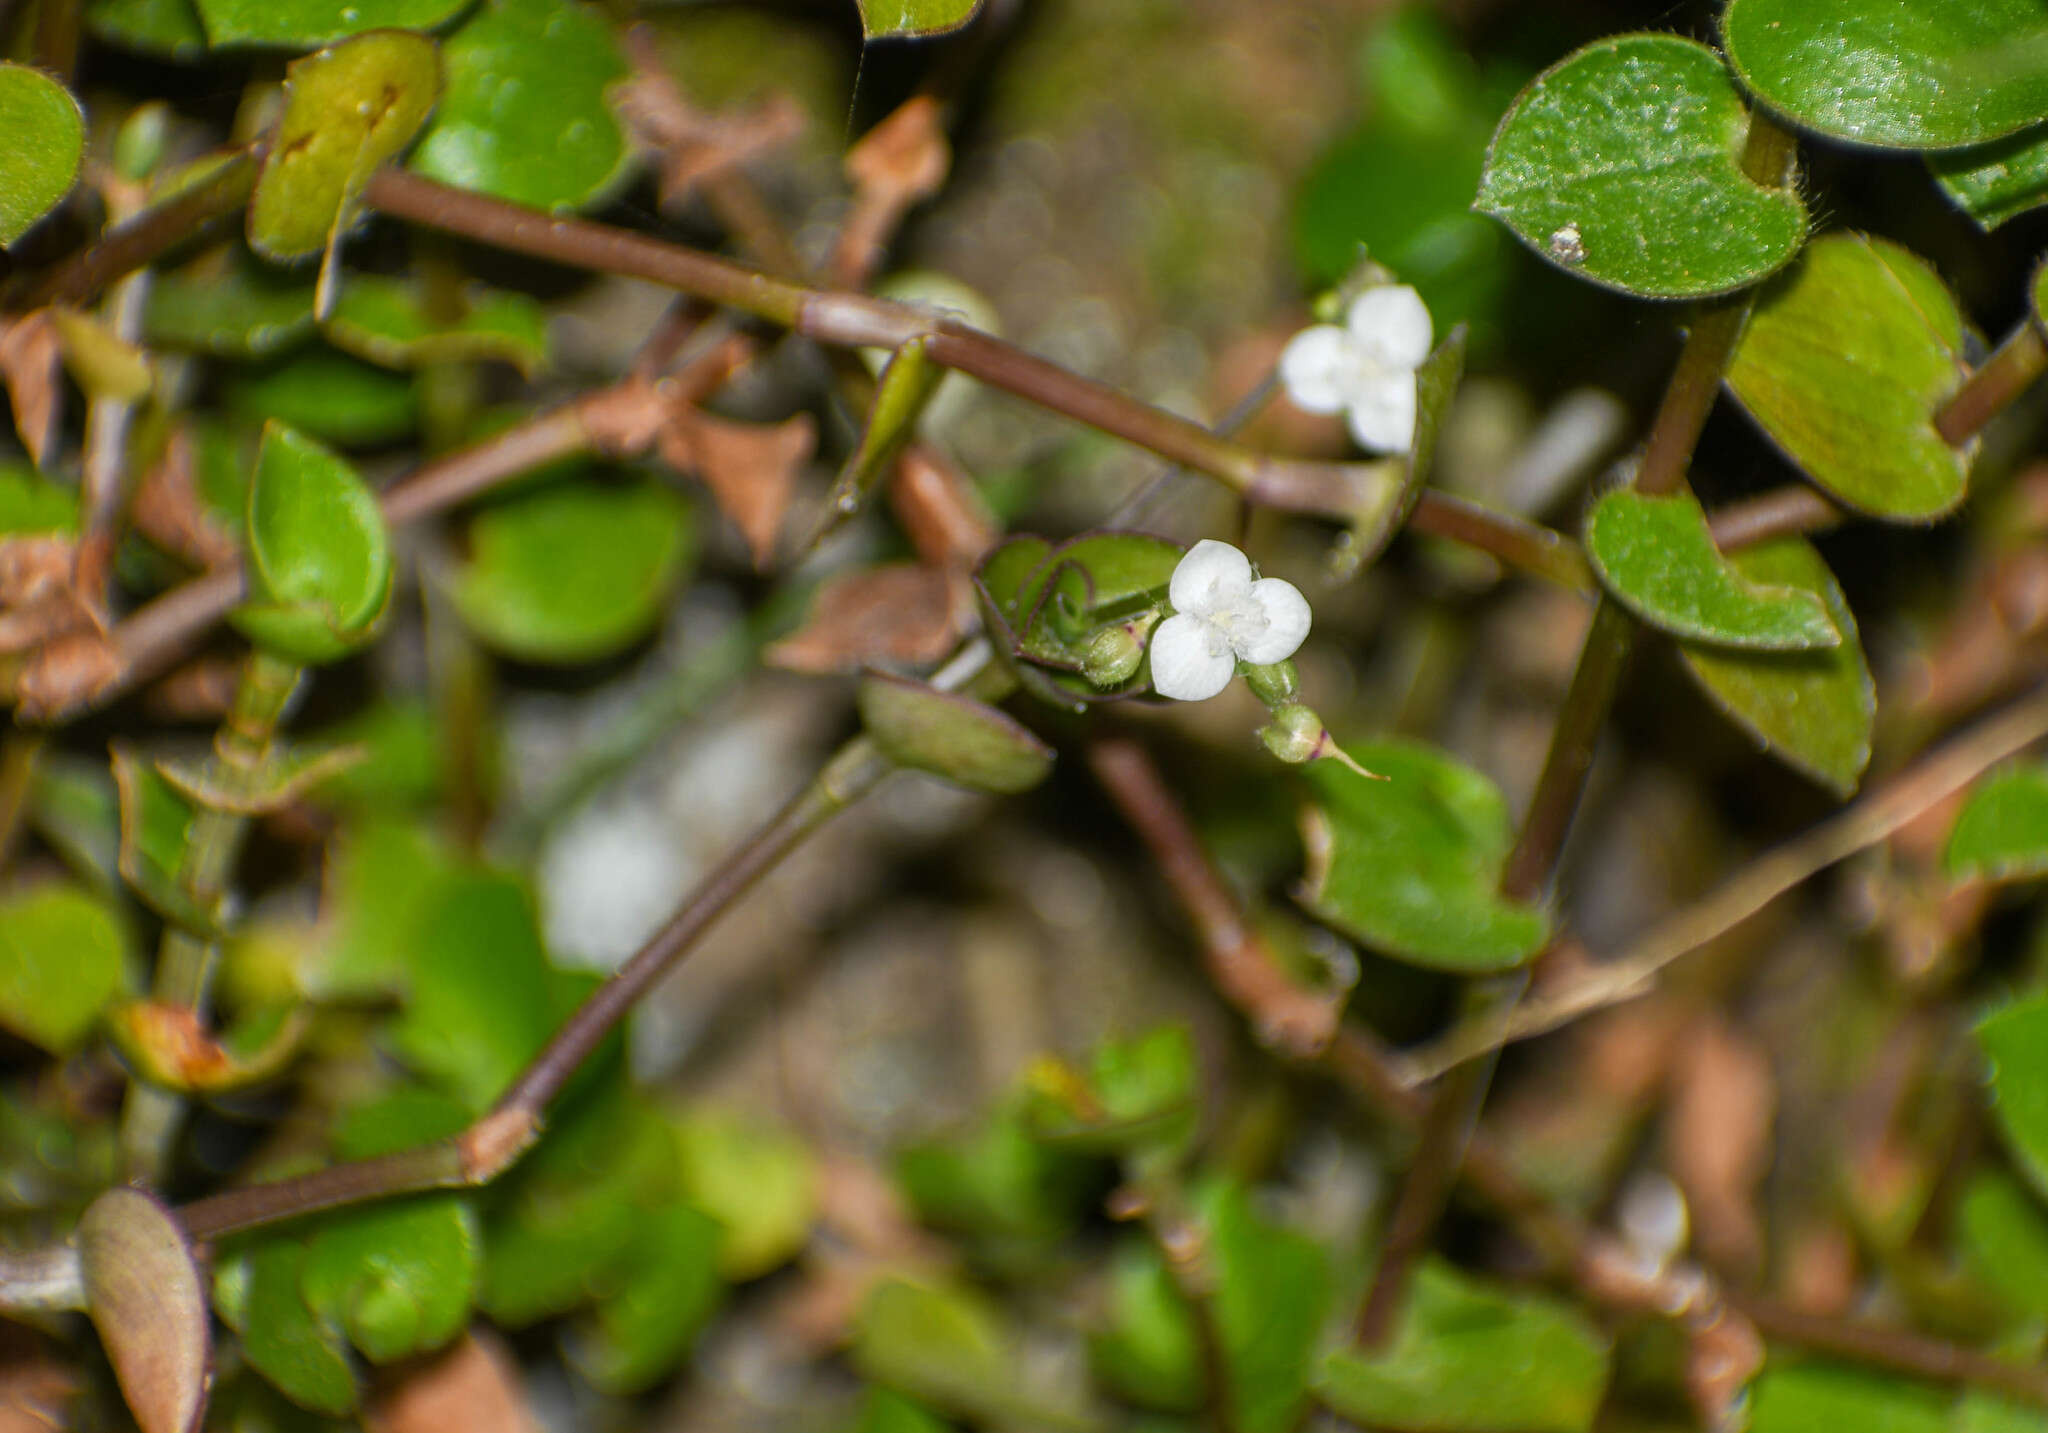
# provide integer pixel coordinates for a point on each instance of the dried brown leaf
(750, 468)
(66, 673)
(625, 420)
(30, 357)
(903, 614)
(34, 568)
(35, 1388)
(168, 511)
(1718, 1136)
(900, 161)
(694, 145)
(148, 1301)
(945, 518)
(472, 1387)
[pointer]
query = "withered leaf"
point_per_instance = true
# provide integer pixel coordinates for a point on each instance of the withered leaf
(750, 468)
(693, 144)
(30, 354)
(902, 614)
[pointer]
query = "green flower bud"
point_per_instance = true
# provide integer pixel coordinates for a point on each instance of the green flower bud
(1275, 685)
(1112, 657)
(1295, 734)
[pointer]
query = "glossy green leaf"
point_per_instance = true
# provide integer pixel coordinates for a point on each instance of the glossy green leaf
(669, 1290)
(901, 19)
(1411, 865)
(1272, 1289)
(996, 1182)
(1998, 181)
(154, 823)
(303, 1356)
(1136, 1095)
(302, 24)
(328, 396)
(2003, 1236)
(389, 322)
(1622, 164)
(2014, 1039)
(145, 1295)
(319, 553)
(397, 1278)
(966, 742)
(575, 570)
(383, 876)
(524, 114)
(1401, 184)
(1844, 362)
(1150, 1350)
(402, 764)
(31, 504)
(2002, 833)
(231, 305)
(1917, 74)
(1467, 1357)
(347, 109)
(1812, 710)
(564, 1225)
(63, 959)
(478, 1006)
(1658, 559)
(167, 29)
(1804, 1397)
(45, 132)
(758, 1181)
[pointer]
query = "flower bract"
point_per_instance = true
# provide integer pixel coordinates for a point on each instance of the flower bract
(1365, 369)
(1222, 615)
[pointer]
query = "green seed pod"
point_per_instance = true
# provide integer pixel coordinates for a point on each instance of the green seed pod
(1275, 685)
(1112, 657)
(1295, 734)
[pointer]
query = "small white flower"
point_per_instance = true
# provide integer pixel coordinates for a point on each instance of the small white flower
(1366, 369)
(1220, 616)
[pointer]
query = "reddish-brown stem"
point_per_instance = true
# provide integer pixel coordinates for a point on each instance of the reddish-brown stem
(130, 245)
(433, 1166)
(1540, 551)
(2001, 378)
(1778, 513)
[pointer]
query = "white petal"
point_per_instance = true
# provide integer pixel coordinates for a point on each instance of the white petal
(1391, 326)
(1211, 574)
(1287, 619)
(1382, 414)
(1190, 660)
(1318, 368)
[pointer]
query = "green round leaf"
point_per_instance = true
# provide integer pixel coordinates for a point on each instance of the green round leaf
(1844, 362)
(168, 29)
(2003, 1237)
(347, 109)
(2002, 834)
(669, 1290)
(302, 24)
(319, 554)
(63, 959)
(1917, 74)
(478, 1003)
(899, 19)
(2014, 1038)
(759, 1182)
(1998, 181)
(1812, 710)
(303, 1356)
(1467, 1357)
(236, 309)
(328, 396)
(1272, 1289)
(1411, 865)
(387, 322)
(1806, 1397)
(1658, 559)
(967, 742)
(398, 1278)
(524, 115)
(1622, 164)
(575, 570)
(45, 139)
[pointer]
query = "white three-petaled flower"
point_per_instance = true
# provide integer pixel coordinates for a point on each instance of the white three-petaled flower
(1366, 369)
(1220, 614)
